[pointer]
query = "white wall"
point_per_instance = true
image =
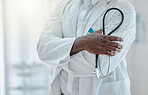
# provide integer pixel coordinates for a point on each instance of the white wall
(24, 21)
(140, 5)
(2, 74)
(138, 55)
(138, 68)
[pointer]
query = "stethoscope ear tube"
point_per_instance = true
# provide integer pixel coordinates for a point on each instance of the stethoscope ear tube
(122, 15)
(108, 34)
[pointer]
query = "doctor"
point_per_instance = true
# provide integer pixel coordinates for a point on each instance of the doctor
(66, 45)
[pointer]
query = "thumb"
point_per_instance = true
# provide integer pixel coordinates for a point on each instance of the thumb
(100, 31)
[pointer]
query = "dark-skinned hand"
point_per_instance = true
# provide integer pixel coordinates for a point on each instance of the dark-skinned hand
(97, 43)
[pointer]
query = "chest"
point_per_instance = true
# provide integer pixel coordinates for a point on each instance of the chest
(76, 20)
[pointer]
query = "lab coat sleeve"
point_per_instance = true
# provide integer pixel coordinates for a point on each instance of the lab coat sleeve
(52, 47)
(126, 31)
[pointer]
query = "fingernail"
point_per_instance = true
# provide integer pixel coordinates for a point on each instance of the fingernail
(118, 50)
(122, 40)
(113, 53)
(120, 46)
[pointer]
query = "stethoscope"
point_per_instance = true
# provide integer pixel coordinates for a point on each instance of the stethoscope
(91, 31)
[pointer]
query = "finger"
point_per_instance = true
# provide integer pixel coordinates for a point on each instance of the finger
(105, 42)
(117, 45)
(100, 31)
(110, 53)
(114, 38)
(109, 48)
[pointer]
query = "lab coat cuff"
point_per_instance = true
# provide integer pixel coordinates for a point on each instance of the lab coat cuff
(68, 47)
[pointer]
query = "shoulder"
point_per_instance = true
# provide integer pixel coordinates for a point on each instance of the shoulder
(128, 11)
(62, 5)
(125, 6)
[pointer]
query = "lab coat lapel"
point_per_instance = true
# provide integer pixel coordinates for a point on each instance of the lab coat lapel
(73, 16)
(97, 10)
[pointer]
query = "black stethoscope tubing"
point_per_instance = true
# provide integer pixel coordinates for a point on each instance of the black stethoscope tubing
(122, 15)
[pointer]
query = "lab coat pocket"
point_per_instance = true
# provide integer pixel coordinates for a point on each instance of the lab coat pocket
(115, 88)
(81, 66)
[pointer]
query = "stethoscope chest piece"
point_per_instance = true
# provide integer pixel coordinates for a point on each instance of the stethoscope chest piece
(96, 72)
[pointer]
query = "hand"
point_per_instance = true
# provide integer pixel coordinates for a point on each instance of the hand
(97, 43)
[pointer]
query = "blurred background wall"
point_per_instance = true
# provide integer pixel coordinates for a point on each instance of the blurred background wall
(2, 69)
(22, 21)
(138, 54)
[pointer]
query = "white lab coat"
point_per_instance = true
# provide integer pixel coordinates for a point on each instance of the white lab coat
(57, 39)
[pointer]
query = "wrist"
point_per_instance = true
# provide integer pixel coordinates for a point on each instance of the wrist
(78, 45)
(83, 42)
